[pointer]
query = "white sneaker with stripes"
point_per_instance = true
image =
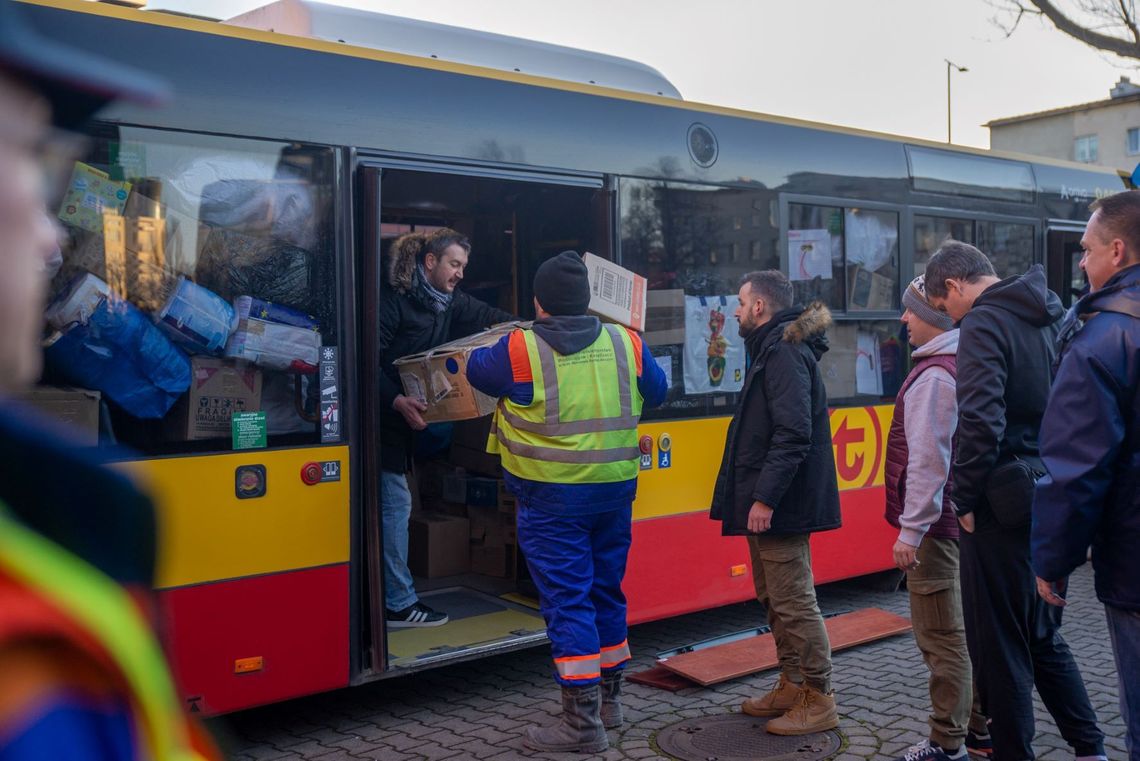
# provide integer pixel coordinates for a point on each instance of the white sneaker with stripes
(416, 614)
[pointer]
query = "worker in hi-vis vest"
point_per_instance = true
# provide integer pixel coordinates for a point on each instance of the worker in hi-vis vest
(570, 395)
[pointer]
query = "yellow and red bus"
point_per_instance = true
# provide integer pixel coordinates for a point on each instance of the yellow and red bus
(280, 170)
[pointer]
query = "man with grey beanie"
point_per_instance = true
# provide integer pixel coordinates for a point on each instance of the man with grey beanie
(920, 448)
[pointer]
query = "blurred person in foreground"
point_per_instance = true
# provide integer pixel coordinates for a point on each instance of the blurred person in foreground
(82, 676)
(920, 448)
(1007, 331)
(1090, 444)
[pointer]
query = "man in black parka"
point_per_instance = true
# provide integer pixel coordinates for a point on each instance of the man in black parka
(1007, 330)
(420, 308)
(777, 485)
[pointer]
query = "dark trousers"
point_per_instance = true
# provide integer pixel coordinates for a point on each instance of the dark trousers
(1015, 643)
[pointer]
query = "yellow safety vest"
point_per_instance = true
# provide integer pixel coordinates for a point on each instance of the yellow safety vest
(107, 613)
(581, 426)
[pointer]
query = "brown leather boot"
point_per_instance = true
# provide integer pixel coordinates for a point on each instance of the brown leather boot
(611, 699)
(580, 728)
(777, 702)
(814, 712)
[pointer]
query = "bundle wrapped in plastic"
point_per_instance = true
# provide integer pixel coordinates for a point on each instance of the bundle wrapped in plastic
(232, 264)
(274, 336)
(197, 318)
(108, 344)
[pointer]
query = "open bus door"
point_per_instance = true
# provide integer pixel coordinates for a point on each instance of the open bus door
(463, 553)
(1063, 257)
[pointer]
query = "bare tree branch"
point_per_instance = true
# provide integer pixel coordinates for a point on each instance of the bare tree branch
(1120, 16)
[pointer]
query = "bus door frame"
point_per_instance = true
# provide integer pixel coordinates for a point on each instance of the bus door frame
(367, 196)
(1058, 275)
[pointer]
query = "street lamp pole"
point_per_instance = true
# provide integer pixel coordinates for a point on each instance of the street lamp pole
(962, 69)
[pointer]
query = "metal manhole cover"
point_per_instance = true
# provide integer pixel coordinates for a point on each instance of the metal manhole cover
(736, 737)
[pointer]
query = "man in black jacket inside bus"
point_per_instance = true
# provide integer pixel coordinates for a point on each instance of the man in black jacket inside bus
(420, 309)
(1005, 350)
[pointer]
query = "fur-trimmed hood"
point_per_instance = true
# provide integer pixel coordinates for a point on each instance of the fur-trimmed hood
(400, 268)
(813, 321)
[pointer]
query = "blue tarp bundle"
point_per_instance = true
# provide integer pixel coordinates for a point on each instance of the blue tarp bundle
(120, 352)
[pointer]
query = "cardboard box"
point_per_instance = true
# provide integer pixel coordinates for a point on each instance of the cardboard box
(438, 377)
(218, 389)
(430, 475)
(77, 409)
(508, 503)
(616, 294)
(493, 542)
(471, 490)
(665, 317)
(438, 545)
(439, 505)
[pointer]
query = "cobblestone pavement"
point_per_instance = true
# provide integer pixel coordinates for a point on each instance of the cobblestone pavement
(478, 710)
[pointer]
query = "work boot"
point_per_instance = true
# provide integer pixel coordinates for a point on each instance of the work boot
(580, 728)
(611, 699)
(779, 700)
(813, 712)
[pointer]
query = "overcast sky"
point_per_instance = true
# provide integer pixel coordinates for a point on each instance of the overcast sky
(872, 64)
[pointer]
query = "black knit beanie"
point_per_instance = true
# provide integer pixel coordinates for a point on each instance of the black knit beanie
(562, 285)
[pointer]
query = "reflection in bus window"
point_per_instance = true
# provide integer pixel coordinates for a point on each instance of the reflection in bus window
(693, 244)
(848, 258)
(198, 280)
(1009, 246)
(932, 232)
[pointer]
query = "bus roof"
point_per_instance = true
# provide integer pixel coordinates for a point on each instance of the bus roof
(425, 39)
(195, 24)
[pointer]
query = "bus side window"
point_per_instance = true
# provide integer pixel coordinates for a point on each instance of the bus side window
(197, 282)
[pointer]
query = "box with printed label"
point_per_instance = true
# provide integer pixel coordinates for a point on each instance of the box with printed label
(438, 377)
(218, 389)
(616, 294)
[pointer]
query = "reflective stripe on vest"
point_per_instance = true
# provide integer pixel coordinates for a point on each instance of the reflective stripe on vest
(616, 655)
(571, 431)
(573, 667)
(108, 614)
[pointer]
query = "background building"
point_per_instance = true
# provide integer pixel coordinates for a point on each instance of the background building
(1104, 132)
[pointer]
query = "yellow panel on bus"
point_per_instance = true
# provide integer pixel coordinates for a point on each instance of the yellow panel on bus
(680, 476)
(207, 532)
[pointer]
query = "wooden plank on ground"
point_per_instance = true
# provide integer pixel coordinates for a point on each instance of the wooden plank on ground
(748, 656)
(661, 678)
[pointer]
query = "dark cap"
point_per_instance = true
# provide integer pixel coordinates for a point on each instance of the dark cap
(75, 82)
(562, 285)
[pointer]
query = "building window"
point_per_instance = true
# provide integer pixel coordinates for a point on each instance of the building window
(1133, 141)
(1086, 149)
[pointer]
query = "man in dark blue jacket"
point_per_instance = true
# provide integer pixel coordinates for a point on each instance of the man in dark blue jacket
(1007, 333)
(1090, 444)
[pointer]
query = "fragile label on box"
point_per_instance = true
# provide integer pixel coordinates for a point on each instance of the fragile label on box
(248, 430)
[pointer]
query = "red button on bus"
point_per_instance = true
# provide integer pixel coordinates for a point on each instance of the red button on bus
(311, 473)
(645, 444)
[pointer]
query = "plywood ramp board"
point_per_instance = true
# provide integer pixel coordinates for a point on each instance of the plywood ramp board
(748, 656)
